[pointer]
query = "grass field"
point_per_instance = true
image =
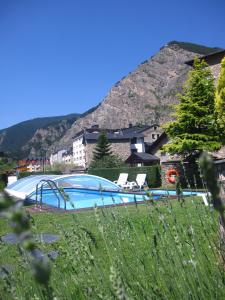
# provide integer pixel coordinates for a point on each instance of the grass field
(156, 250)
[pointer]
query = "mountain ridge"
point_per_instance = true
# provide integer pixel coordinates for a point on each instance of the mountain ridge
(145, 95)
(13, 138)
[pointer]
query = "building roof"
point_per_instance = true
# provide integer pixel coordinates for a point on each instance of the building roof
(155, 146)
(214, 57)
(112, 136)
(142, 157)
(115, 134)
(67, 153)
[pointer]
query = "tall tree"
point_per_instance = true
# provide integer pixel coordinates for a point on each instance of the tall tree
(194, 129)
(102, 148)
(220, 101)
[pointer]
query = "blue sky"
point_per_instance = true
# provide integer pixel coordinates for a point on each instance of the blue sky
(61, 57)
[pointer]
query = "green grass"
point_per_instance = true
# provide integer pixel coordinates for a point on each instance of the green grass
(156, 250)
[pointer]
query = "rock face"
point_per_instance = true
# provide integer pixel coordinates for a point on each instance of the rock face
(144, 96)
(43, 138)
(33, 137)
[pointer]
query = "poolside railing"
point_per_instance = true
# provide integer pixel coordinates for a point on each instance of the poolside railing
(53, 186)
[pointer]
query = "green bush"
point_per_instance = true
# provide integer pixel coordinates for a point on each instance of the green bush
(3, 179)
(153, 173)
(2, 185)
(109, 161)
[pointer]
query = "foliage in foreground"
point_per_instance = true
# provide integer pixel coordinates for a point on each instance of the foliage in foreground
(158, 250)
(166, 249)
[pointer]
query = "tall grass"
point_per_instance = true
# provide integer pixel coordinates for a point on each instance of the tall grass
(152, 251)
(167, 249)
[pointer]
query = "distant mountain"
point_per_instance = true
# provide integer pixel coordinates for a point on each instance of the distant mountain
(18, 138)
(145, 95)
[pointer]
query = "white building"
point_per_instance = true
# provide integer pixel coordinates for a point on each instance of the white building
(79, 155)
(67, 157)
(57, 157)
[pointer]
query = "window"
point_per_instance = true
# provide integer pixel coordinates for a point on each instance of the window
(133, 140)
(153, 136)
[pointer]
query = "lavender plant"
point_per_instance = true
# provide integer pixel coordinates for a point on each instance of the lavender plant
(21, 225)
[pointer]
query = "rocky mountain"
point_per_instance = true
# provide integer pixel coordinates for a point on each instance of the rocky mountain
(34, 137)
(145, 95)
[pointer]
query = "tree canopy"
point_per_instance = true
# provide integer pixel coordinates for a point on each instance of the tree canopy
(195, 127)
(220, 101)
(102, 148)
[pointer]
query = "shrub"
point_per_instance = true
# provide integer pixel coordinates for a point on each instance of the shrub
(25, 174)
(153, 173)
(110, 161)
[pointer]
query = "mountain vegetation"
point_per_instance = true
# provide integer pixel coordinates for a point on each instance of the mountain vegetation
(15, 138)
(200, 49)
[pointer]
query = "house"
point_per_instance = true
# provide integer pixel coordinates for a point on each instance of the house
(67, 157)
(142, 159)
(124, 141)
(32, 165)
(213, 60)
(57, 157)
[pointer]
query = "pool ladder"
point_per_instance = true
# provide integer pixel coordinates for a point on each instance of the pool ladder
(53, 187)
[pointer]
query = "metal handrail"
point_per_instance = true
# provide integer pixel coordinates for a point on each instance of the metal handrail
(53, 186)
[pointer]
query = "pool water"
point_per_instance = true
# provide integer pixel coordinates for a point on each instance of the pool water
(171, 193)
(83, 198)
(78, 198)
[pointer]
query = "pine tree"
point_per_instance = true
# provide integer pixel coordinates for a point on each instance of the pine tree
(220, 102)
(195, 128)
(102, 148)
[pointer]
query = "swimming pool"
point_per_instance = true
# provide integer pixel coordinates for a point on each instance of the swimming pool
(83, 198)
(81, 190)
(80, 198)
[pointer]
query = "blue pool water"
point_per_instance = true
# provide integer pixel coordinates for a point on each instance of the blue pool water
(171, 193)
(81, 198)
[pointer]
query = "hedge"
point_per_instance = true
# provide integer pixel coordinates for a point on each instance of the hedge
(153, 174)
(3, 178)
(25, 174)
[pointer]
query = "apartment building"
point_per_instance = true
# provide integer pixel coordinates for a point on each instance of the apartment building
(124, 141)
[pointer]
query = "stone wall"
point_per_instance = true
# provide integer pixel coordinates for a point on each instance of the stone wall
(120, 149)
(89, 154)
(188, 173)
(166, 166)
(148, 134)
(215, 69)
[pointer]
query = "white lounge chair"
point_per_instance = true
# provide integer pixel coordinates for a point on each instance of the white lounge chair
(122, 180)
(139, 183)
